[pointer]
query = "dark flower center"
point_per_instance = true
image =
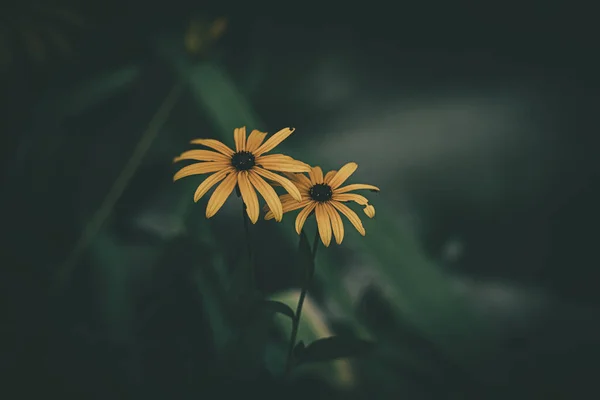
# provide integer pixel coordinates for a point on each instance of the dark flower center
(242, 160)
(320, 192)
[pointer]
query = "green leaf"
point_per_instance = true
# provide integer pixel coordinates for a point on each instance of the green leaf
(96, 90)
(332, 348)
(278, 307)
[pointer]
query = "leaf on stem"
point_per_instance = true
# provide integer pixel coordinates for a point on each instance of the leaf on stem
(299, 349)
(332, 348)
(278, 307)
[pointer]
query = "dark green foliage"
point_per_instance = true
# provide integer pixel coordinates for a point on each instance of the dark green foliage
(278, 307)
(332, 348)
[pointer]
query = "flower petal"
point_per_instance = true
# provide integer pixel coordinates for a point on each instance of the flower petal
(267, 192)
(323, 224)
(239, 136)
(302, 215)
(201, 168)
(284, 182)
(316, 175)
(369, 210)
(273, 141)
(255, 140)
(220, 194)
(249, 196)
(286, 198)
(214, 144)
(300, 180)
(362, 200)
(280, 162)
(356, 186)
(329, 176)
(210, 182)
(336, 223)
(343, 174)
(351, 215)
(289, 206)
(201, 155)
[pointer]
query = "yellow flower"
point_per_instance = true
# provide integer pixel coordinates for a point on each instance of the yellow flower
(245, 167)
(326, 197)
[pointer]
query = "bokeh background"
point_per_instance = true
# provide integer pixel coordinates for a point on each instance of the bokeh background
(477, 278)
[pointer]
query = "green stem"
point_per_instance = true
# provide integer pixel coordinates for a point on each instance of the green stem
(249, 245)
(296, 321)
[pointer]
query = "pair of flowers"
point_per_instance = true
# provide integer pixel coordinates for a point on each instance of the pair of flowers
(250, 169)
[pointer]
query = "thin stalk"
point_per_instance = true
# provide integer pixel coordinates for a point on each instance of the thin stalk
(249, 245)
(296, 321)
(95, 224)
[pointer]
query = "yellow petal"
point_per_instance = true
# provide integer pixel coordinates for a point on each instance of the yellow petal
(329, 175)
(289, 206)
(220, 194)
(288, 201)
(336, 223)
(356, 186)
(239, 135)
(284, 182)
(249, 196)
(267, 192)
(370, 211)
(323, 224)
(279, 162)
(214, 144)
(255, 140)
(210, 182)
(286, 198)
(316, 175)
(343, 174)
(362, 200)
(273, 141)
(302, 215)
(300, 180)
(351, 215)
(202, 155)
(200, 168)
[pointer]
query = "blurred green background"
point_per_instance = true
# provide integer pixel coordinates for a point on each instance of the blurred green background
(477, 278)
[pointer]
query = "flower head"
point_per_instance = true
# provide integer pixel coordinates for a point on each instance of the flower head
(245, 168)
(325, 196)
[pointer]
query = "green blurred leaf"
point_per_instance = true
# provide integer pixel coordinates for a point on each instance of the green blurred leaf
(244, 355)
(96, 90)
(332, 348)
(278, 307)
(299, 349)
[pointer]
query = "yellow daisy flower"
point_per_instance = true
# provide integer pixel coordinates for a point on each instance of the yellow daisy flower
(325, 196)
(245, 167)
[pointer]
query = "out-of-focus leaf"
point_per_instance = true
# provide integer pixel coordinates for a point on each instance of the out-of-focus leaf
(278, 307)
(332, 348)
(299, 349)
(212, 88)
(33, 30)
(111, 277)
(244, 354)
(202, 33)
(422, 295)
(96, 90)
